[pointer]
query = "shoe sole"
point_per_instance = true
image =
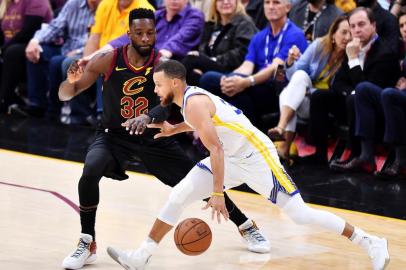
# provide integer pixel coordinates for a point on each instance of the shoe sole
(260, 251)
(91, 259)
(387, 258)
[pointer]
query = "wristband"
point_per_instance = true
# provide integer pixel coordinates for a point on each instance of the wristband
(217, 194)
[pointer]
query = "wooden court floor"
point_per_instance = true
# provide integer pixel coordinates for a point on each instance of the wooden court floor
(39, 225)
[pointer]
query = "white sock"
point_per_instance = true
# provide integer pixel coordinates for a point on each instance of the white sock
(149, 246)
(358, 236)
(246, 225)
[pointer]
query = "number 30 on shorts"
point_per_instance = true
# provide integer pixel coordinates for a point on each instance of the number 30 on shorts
(131, 108)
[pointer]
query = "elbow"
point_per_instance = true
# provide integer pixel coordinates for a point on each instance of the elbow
(217, 149)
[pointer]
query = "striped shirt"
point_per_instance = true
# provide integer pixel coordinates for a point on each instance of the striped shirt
(72, 24)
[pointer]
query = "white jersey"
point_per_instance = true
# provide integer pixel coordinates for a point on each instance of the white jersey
(236, 133)
(245, 147)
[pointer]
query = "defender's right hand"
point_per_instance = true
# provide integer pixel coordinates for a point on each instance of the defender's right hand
(75, 72)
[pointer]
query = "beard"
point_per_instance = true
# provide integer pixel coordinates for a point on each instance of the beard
(168, 100)
(142, 50)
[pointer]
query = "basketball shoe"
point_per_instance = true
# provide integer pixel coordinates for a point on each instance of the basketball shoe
(377, 249)
(85, 253)
(130, 260)
(254, 238)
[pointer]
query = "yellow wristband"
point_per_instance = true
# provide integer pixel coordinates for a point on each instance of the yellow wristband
(217, 194)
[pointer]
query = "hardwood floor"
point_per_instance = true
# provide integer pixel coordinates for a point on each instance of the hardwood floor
(39, 225)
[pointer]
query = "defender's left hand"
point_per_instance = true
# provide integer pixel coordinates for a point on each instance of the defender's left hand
(137, 125)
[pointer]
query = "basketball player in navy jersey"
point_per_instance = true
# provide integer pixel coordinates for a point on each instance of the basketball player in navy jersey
(128, 93)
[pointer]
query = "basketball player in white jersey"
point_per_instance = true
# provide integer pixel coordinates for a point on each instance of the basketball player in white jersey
(239, 153)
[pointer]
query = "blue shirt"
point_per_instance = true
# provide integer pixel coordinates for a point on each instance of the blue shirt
(72, 24)
(293, 35)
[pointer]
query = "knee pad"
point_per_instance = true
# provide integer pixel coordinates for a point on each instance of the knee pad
(299, 213)
(181, 194)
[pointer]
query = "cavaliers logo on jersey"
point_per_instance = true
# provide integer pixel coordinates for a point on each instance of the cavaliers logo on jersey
(133, 85)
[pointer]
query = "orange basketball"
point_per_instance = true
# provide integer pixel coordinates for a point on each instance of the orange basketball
(192, 236)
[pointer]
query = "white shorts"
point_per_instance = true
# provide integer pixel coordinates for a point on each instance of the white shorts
(253, 170)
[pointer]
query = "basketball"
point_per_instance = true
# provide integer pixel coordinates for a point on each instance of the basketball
(192, 236)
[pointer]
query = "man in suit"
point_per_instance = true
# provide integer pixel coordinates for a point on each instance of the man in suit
(370, 66)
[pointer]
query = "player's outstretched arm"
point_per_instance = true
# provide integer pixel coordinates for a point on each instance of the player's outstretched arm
(137, 125)
(80, 78)
(199, 112)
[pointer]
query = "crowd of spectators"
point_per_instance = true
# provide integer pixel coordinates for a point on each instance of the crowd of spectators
(320, 61)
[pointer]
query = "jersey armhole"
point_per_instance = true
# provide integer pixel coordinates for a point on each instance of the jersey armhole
(184, 106)
(112, 65)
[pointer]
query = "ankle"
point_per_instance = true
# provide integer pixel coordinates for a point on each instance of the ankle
(358, 237)
(149, 246)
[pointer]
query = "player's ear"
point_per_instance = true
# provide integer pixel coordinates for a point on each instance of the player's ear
(175, 82)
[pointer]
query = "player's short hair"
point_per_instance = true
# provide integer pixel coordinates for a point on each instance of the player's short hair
(172, 68)
(140, 13)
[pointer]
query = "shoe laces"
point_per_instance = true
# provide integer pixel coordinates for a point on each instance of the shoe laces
(82, 247)
(253, 234)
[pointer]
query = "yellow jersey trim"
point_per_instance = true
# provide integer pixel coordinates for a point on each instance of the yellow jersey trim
(263, 150)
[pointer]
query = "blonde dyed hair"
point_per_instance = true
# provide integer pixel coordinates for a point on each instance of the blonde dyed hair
(214, 15)
(3, 7)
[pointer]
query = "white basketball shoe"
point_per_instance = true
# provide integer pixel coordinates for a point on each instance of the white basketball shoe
(85, 253)
(254, 238)
(130, 260)
(377, 249)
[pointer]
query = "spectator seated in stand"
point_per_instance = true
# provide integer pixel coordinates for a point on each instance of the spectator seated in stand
(45, 55)
(370, 66)
(251, 87)
(314, 17)
(225, 41)
(19, 21)
(311, 73)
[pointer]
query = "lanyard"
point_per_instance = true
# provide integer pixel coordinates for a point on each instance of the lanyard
(308, 24)
(278, 45)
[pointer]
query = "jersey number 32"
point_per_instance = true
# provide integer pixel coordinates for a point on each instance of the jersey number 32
(131, 108)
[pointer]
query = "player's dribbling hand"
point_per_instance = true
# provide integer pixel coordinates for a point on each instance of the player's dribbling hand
(75, 72)
(218, 208)
(137, 125)
(166, 129)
